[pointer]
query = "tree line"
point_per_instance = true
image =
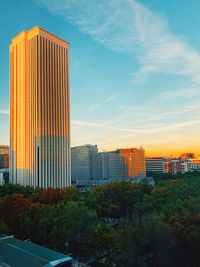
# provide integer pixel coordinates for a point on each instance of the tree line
(120, 224)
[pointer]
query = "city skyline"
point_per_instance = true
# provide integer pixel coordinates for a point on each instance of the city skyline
(134, 80)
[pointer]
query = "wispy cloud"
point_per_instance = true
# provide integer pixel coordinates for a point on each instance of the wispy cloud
(102, 126)
(179, 93)
(4, 111)
(105, 101)
(130, 27)
(175, 95)
(156, 114)
(151, 130)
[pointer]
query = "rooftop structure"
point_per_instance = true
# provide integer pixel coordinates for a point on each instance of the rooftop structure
(17, 253)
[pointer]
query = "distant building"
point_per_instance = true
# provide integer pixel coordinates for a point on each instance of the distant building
(148, 180)
(181, 165)
(157, 164)
(4, 161)
(4, 156)
(84, 163)
(122, 164)
(4, 150)
(195, 165)
(17, 253)
(112, 165)
(134, 162)
(2, 181)
(188, 155)
(4, 175)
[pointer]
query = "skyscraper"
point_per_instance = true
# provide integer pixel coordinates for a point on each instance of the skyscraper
(39, 110)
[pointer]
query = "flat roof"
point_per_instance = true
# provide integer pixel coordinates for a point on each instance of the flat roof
(17, 253)
(40, 32)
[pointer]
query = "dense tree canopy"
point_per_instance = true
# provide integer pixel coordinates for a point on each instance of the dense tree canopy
(122, 223)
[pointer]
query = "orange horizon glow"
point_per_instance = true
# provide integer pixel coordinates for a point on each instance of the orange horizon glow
(163, 150)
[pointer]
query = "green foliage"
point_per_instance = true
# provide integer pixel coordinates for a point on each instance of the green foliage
(121, 223)
(147, 242)
(116, 200)
(70, 228)
(10, 189)
(15, 210)
(3, 228)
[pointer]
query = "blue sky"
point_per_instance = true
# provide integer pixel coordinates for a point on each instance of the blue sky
(134, 69)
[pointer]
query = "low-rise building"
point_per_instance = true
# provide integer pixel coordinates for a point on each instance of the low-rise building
(157, 164)
(195, 165)
(1, 179)
(4, 156)
(181, 165)
(4, 149)
(4, 176)
(4, 161)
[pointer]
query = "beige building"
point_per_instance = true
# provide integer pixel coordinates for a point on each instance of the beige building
(4, 156)
(39, 110)
(4, 149)
(157, 164)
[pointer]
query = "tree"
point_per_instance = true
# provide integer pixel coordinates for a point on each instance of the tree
(3, 228)
(145, 243)
(66, 228)
(14, 210)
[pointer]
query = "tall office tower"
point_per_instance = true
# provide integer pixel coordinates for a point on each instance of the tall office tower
(84, 163)
(39, 110)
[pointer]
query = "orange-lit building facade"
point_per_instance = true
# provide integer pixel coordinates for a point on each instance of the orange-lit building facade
(122, 164)
(135, 162)
(39, 110)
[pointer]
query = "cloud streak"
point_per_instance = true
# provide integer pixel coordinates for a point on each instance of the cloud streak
(151, 130)
(184, 93)
(105, 101)
(4, 111)
(130, 27)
